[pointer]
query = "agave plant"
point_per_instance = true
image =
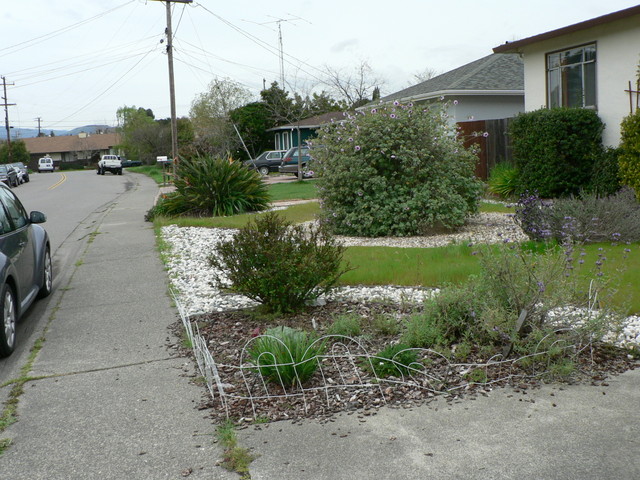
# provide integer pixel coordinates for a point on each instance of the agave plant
(210, 186)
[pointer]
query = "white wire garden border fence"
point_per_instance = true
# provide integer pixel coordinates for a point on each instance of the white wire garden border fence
(347, 366)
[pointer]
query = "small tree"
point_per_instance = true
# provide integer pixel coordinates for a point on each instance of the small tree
(629, 159)
(395, 170)
(19, 152)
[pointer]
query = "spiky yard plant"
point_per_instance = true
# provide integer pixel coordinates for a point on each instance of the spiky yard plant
(211, 186)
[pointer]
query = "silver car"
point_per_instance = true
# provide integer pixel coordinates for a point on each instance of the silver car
(25, 264)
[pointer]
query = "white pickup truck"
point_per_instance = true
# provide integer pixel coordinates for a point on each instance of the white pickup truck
(110, 163)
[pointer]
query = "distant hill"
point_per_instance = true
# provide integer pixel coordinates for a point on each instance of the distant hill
(17, 133)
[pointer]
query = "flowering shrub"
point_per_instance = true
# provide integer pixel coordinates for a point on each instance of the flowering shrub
(395, 170)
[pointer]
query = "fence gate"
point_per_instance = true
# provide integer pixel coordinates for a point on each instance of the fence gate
(492, 139)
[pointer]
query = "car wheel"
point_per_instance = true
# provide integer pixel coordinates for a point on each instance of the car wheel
(8, 323)
(264, 171)
(47, 276)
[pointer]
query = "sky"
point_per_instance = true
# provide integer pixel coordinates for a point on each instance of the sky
(74, 63)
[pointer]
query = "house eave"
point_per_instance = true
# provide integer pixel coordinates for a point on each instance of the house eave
(455, 93)
(516, 46)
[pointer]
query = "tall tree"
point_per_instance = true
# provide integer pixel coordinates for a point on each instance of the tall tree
(210, 112)
(355, 87)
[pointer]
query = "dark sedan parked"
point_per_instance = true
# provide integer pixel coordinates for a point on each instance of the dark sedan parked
(9, 175)
(266, 162)
(130, 163)
(25, 264)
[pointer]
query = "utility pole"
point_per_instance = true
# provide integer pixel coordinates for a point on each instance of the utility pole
(6, 118)
(38, 119)
(172, 91)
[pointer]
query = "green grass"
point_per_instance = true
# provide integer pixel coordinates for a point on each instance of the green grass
(296, 214)
(153, 171)
(430, 267)
(486, 207)
(300, 190)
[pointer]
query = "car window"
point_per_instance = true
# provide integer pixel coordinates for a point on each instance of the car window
(14, 208)
(5, 224)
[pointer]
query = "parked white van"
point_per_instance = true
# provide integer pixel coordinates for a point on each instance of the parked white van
(45, 164)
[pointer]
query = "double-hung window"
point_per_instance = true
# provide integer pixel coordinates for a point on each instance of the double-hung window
(571, 77)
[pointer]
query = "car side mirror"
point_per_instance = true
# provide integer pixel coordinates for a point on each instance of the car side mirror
(37, 217)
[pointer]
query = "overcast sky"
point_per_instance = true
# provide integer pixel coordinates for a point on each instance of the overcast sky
(75, 62)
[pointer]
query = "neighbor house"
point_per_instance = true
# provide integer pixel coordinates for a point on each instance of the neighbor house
(591, 64)
(479, 97)
(485, 89)
(294, 133)
(80, 150)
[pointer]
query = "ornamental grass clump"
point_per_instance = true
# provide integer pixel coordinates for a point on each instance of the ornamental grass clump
(280, 265)
(210, 186)
(286, 356)
(395, 170)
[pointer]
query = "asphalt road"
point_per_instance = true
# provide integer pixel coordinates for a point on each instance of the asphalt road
(72, 201)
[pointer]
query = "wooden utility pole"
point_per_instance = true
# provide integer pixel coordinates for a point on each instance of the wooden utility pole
(172, 91)
(6, 118)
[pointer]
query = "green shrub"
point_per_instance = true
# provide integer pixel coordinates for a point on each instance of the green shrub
(629, 159)
(346, 325)
(395, 170)
(447, 318)
(394, 360)
(555, 149)
(280, 265)
(286, 356)
(209, 186)
(605, 175)
(504, 180)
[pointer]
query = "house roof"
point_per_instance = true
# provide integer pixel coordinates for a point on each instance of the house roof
(512, 47)
(311, 122)
(71, 143)
(493, 74)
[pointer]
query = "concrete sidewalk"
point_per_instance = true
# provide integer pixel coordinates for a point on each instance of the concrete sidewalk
(579, 432)
(117, 402)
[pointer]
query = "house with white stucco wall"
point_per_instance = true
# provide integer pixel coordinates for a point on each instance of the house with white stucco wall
(591, 64)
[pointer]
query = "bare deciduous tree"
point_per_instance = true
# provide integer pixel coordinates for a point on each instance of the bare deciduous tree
(354, 87)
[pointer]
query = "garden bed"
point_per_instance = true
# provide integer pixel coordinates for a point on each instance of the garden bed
(344, 384)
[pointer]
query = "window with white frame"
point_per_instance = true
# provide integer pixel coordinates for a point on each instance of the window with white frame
(571, 77)
(285, 140)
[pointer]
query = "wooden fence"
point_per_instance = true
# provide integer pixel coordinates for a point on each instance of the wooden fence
(491, 136)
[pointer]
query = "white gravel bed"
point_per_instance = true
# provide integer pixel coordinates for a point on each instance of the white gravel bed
(194, 279)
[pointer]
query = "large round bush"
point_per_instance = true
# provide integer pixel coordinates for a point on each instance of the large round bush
(555, 150)
(395, 170)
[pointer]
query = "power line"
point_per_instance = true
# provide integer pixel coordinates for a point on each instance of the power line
(34, 41)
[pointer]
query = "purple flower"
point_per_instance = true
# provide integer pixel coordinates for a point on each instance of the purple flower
(357, 148)
(396, 103)
(455, 102)
(485, 134)
(393, 115)
(374, 110)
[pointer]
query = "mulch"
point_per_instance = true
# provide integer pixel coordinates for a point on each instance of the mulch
(345, 385)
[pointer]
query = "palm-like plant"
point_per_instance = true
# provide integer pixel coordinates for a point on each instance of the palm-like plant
(210, 186)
